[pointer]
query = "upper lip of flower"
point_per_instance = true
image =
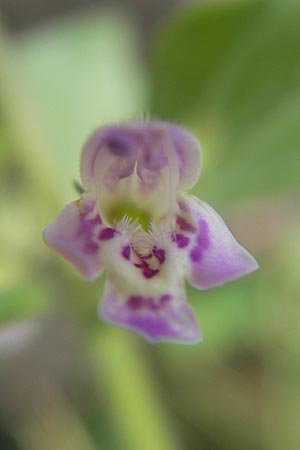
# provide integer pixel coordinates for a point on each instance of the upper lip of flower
(135, 221)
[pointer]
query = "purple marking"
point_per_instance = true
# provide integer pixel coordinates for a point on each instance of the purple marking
(183, 206)
(107, 233)
(153, 158)
(184, 225)
(165, 299)
(146, 269)
(203, 240)
(148, 272)
(152, 304)
(87, 226)
(135, 302)
(90, 247)
(126, 251)
(196, 254)
(84, 228)
(182, 241)
(96, 221)
(86, 232)
(154, 328)
(121, 143)
(160, 254)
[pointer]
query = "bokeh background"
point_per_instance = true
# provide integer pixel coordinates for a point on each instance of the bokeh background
(230, 72)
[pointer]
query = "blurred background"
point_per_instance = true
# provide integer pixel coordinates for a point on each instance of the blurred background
(230, 72)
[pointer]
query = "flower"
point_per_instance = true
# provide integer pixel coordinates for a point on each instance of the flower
(135, 221)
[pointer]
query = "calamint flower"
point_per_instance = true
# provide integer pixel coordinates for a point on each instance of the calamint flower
(135, 221)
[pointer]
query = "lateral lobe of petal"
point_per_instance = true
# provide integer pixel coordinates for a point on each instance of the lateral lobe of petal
(214, 255)
(73, 234)
(162, 317)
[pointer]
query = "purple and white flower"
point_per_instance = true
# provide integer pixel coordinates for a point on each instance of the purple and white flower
(135, 221)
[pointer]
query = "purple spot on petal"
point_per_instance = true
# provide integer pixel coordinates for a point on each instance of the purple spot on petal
(153, 159)
(195, 254)
(86, 232)
(160, 254)
(120, 143)
(203, 240)
(96, 221)
(146, 269)
(135, 301)
(153, 327)
(86, 226)
(91, 247)
(184, 225)
(126, 251)
(152, 304)
(165, 299)
(183, 206)
(149, 273)
(182, 241)
(107, 233)
(83, 228)
(203, 237)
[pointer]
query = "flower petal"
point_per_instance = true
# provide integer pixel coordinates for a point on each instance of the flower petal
(214, 255)
(112, 142)
(140, 165)
(166, 317)
(145, 289)
(188, 150)
(125, 139)
(75, 235)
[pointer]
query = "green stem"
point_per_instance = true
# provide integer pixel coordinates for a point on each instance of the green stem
(139, 417)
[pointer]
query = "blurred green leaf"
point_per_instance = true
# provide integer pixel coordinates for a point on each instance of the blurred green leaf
(78, 74)
(22, 301)
(192, 49)
(232, 71)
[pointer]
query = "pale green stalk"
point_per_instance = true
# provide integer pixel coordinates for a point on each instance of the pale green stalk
(138, 414)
